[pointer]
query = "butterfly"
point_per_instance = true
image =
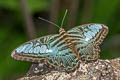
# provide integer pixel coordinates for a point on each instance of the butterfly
(65, 49)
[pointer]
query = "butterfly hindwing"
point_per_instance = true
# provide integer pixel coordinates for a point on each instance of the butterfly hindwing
(87, 38)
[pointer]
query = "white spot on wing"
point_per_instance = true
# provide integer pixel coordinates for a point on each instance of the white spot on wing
(22, 48)
(91, 33)
(31, 50)
(43, 48)
(86, 39)
(94, 28)
(37, 44)
(28, 48)
(47, 51)
(37, 49)
(99, 26)
(87, 35)
(19, 49)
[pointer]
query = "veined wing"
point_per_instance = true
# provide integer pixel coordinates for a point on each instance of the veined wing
(50, 48)
(34, 50)
(87, 38)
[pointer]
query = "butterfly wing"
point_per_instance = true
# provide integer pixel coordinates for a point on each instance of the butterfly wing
(87, 38)
(34, 50)
(51, 49)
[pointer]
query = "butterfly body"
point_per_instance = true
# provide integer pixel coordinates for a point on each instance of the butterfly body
(66, 49)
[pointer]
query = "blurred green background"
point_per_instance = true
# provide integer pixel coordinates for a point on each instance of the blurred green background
(19, 23)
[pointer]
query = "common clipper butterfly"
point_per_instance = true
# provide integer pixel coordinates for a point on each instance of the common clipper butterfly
(66, 49)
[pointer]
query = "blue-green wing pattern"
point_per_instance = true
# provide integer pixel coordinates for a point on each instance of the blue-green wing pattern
(87, 38)
(56, 49)
(49, 48)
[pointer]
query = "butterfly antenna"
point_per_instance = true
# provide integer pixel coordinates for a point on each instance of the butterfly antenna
(49, 22)
(64, 18)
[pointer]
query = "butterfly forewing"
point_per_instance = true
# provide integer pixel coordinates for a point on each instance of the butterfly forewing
(33, 50)
(49, 48)
(87, 38)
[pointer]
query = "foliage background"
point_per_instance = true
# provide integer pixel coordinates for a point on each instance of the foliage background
(13, 29)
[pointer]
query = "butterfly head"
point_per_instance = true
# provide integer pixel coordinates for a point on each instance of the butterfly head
(62, 31)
